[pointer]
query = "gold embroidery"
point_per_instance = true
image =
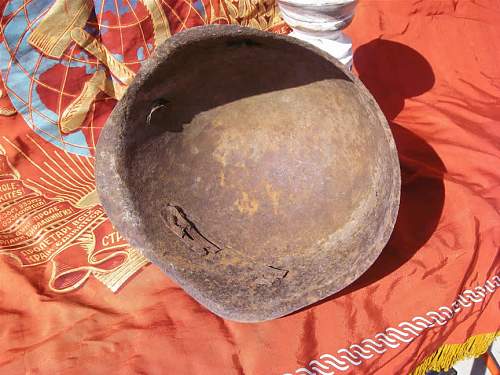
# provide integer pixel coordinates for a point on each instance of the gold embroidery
(114, 89)
(52, 34)
(161, 27)
(74, 219)
(13, 171)
(259, 14)
(74, 115)
(116, 278)
(96, 48)
(89, 200)
(6, 111)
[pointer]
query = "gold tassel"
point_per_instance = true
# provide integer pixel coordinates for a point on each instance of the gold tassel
(447, 355)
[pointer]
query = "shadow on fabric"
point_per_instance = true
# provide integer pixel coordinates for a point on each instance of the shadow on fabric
(393, 72)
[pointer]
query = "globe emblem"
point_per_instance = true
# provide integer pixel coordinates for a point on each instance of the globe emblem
(42, 87)
(65, 63)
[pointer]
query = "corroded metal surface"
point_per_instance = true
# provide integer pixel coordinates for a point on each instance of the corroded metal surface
(252, 169)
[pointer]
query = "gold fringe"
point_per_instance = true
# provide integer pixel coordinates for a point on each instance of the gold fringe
(447, 355)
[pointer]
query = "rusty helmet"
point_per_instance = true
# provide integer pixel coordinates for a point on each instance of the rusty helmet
(252, 168)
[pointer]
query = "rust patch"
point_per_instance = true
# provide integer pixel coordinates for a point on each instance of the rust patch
(247, 205)
(274, 196)
(222, 178)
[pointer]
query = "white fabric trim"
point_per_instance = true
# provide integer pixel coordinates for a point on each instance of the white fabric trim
(392, 337)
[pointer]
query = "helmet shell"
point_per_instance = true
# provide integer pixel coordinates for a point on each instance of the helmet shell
(252, 168)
